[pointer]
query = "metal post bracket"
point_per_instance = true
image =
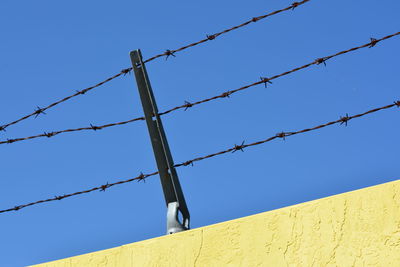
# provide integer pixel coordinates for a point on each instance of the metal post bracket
(173, 194)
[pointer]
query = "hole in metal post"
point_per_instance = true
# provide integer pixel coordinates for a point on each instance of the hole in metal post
(180, 217)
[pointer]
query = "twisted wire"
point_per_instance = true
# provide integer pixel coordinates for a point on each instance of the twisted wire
(211, 37)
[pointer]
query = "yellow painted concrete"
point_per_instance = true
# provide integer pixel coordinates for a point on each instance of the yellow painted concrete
(359, 228)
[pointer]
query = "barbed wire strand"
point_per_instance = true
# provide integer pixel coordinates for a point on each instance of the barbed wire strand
(226, 94)
(51, 134)
(282, 135)
(168, 53)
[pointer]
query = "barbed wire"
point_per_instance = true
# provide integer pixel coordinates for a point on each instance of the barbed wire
(227, 94)
(54, 133)
(342, 120)
(282, 135)
(167, 54)
(211, 37)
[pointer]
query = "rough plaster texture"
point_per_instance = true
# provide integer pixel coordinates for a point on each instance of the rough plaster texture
(359, 228)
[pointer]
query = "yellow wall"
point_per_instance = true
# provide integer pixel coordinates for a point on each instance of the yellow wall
(359, 228)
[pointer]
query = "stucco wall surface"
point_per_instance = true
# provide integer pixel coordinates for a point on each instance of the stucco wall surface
(359, 228)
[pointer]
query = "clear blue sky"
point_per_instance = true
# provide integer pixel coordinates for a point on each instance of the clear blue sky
(49, 49)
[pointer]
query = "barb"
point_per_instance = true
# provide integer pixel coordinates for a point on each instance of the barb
(210, 37)
(167, 54)
(227, 94)
(142, 176)
(39, 110)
